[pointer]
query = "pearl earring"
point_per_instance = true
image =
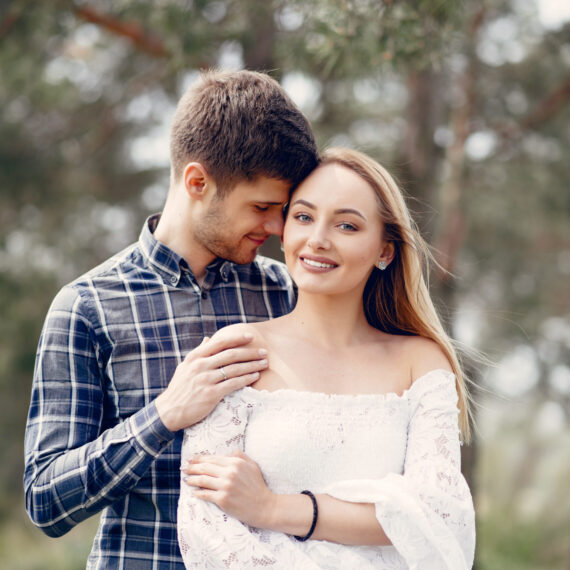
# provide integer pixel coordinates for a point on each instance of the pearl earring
(382, 265)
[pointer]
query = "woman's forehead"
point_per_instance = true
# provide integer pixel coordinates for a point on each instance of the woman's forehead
(334, 184)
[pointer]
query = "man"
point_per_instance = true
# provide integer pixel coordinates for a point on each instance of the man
(124, 362)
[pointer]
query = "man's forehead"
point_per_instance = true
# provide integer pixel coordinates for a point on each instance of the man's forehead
(270, 191)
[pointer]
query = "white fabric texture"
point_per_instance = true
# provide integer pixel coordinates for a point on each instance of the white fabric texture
(400, 452)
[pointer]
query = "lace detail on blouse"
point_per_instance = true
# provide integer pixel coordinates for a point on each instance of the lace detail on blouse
(399, 452)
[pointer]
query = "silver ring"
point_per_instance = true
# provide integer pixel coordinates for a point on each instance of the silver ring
(224, 375)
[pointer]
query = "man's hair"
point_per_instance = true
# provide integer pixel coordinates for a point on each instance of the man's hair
(239, 126)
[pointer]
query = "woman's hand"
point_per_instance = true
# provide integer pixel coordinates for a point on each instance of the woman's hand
(234, 483)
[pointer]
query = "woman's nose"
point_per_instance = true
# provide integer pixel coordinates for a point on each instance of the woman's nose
(318, 239)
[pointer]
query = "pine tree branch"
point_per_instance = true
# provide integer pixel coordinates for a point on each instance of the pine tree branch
(550, 106)
(8, 22)
(133, 31)
(449, 239)
(547, 108)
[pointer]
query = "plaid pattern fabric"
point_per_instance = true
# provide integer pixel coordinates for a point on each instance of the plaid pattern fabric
(110, 344)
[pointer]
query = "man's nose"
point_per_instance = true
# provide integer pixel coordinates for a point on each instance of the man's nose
(274, 223)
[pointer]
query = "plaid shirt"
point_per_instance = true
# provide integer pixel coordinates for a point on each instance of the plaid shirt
(110, 344)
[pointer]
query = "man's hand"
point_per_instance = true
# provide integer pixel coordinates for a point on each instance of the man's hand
(212, 370)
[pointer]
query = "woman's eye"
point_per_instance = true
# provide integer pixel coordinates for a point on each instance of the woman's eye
(348, 227)
(303, 217)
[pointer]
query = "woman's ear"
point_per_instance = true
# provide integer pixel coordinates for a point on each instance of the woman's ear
(196, 180)
(386, 255)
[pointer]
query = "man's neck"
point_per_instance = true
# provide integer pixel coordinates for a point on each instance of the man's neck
(174, 232)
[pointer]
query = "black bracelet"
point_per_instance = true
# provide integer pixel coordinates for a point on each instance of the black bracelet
(315, 517)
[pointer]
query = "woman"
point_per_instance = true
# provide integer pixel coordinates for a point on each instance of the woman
(345, 452)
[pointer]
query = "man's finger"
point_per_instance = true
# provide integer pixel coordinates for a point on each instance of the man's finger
(211, 347)
(233, 384)
(217, 345)
(249, 364)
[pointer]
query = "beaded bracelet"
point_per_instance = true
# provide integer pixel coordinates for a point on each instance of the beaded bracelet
(315, 517)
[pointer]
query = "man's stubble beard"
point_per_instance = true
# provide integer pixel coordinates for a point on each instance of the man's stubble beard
(210, 234)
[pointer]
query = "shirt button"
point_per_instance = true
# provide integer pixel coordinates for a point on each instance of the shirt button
(174, 279)
(204, 295)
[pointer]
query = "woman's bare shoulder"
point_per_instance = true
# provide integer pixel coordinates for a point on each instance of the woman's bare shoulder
(425, 355)
(253, 329)
(417, 354)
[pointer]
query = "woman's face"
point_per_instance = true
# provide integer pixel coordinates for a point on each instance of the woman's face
(333, 232)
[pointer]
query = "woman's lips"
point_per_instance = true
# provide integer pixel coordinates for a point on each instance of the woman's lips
(318, 263)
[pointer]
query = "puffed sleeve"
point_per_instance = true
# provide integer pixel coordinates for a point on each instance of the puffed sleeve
(427, 511)
(208, 537)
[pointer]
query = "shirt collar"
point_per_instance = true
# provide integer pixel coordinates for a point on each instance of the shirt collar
(169, 264)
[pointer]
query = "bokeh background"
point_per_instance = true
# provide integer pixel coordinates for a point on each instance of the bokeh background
(466, 101)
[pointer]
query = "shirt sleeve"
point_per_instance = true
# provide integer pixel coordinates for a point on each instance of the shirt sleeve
(427, 512)
(74, 467)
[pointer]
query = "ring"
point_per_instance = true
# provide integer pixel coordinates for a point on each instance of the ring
(224, 375)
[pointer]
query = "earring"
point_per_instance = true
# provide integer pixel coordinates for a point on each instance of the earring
(382, 265)
(281, 247)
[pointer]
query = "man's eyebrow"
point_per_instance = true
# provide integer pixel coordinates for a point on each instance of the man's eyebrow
(339, 211)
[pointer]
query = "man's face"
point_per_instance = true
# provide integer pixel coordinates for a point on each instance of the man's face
(236, 226)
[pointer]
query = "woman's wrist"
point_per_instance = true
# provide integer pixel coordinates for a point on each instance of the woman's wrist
(291, 514)
(315, 517)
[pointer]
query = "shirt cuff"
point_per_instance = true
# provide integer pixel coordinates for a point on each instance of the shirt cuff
(149, 431)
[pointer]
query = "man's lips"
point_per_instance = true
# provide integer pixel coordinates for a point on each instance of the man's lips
(258, 240)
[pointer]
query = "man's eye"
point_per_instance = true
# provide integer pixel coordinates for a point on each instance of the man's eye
(262, 208)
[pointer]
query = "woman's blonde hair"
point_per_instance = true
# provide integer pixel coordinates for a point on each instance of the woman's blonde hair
(397, 300)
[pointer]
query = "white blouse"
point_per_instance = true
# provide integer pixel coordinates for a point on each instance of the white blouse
(399, 452)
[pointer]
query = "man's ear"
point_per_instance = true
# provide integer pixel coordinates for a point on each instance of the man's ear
(196, 180)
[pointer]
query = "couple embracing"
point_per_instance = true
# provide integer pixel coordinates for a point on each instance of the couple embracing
(223, 411)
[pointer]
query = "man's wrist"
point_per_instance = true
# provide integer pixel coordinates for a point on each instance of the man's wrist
(169, 416)
(150, 431)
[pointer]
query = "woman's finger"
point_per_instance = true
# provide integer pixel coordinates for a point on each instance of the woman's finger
(208, 495)
(209, 468)
(203, 482)
(200, 463)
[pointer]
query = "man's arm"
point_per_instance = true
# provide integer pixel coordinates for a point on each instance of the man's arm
(73, 468)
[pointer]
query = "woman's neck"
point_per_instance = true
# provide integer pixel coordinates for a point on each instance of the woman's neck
(329, 322)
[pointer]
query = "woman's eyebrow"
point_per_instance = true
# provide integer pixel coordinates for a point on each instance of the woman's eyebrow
(339, 211)
(305, 203)
(350, 211)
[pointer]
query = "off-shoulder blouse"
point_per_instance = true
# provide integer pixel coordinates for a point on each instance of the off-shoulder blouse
(400, 452)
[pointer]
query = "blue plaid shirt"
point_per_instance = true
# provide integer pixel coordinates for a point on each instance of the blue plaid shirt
(110, 344)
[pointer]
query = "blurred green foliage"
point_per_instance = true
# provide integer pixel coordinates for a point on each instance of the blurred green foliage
(466, 102)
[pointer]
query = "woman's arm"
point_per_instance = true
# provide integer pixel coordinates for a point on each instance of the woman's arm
(235, 483)
(338, 521)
